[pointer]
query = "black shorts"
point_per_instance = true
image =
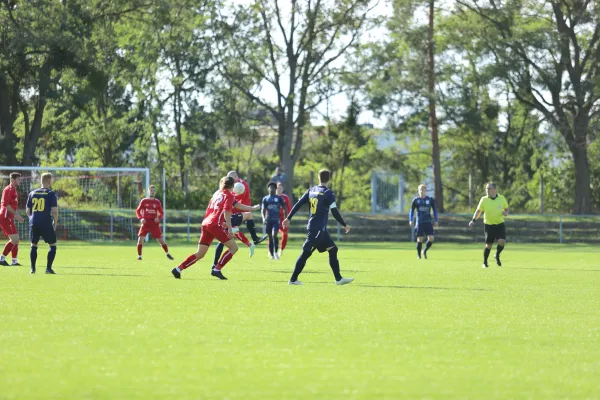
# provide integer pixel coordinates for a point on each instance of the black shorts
(424, 229)
(237, 219)
(45, 232)
(319, 240)
(494, 232)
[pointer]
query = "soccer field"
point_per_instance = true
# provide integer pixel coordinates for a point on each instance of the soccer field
(110, 327)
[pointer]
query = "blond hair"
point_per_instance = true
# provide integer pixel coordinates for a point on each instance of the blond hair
(422, 185)
(46, 178)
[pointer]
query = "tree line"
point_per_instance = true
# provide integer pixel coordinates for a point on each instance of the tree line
(470, 90)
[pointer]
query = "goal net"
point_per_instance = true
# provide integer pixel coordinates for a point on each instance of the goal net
(94, 203)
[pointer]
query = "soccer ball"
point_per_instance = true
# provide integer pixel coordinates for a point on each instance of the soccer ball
(239, 188)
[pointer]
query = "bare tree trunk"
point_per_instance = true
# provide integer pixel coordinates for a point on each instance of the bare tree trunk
(583, 192)
(435, 150)
(32, 137)
(8, 115)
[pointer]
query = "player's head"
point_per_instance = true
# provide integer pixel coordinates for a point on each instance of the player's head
(47, 179)
(324, 176)
(151, 191)
(422, 190)
(226, 183)
(234, 175)
(272, 186)
(490, 189)
(279, 188)
(15, 178)
(277, 170)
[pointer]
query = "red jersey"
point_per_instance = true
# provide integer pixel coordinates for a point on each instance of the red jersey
(9, 198)
(221, 201)
(244, 198)
(288, 205)
(149, 209)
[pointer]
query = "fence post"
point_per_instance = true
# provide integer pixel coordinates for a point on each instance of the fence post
(470, 191)
(560, 230)
(542, 194)
(188, 226)
(401, 192)
(111, 225)
(373, 192)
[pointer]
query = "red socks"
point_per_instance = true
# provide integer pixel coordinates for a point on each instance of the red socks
(165, 248)
(224, 260)
(242, 238)
(284, 237)
(191, 260)
(15, 251)
(7, 248)
(139, 247)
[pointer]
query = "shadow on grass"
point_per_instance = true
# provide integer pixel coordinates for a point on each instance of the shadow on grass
(556, 269)
(422, 287)
(289, 271)
(84, 274)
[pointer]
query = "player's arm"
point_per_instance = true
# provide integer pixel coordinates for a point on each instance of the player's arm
(505, 210)
(338, 217)
(411, 213)
(54, 210)
(227, 212)
(161, 212)
(14, 212)
(435, 213)
(478, 212)
(301, 201)
(245, 208)
(138, 212)
(28, 206)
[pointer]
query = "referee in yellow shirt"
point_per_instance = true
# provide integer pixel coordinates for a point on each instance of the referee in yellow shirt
(495, 208)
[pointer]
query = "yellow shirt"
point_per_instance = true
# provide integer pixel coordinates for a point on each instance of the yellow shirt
(493, 208)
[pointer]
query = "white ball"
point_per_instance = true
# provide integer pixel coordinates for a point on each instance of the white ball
(239, 188)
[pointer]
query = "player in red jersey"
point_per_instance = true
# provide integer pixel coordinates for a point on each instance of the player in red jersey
(8, 213)
(149, 212)
(244, 199)
(217, 225)
(284, 230)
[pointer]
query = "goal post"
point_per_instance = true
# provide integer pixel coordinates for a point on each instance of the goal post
(95, 203)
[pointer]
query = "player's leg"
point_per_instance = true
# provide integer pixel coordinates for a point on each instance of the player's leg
(50, 238)
(326, 243)
(419, 246)
(274, 233)
(205, 241)
(429, 233)
(141, 236)
(307, 250)
(489, 241)
(501, 242)
(249, 220)
(218, 253)
(7, 230)
(35, 238)
(284, 238)
(165, 247)
(271, 240)
(15, 239)
(232, 248)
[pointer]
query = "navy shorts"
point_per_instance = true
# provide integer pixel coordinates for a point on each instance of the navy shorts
(272, 226)
(46, 232)
(237, 219)
(424, 229)
(319, 240)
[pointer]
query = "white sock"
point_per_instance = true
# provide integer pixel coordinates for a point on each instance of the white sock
(178, 270)
(2, 258)
(15, 261)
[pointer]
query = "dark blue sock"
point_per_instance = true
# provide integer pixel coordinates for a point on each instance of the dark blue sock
(419, 247)
(252, 229)
(334, 263)
(33, 256)
(300, 263)
(275, 244)
(51, 255)
(428, 245)
(271, 245)
(218, 252)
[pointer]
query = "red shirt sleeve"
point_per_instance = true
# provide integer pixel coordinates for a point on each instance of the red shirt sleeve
(159, 208)
(5, 197)
(228, 201)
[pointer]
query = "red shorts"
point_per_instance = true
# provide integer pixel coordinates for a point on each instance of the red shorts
(153, 229)
(8, 226)
(209, 233)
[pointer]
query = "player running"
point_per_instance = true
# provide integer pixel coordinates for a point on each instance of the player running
(217, 225)
(284, 231)
(149, 212)
(424, 205)
(321, 200)
(272, 205)
(244, 199)
(42, 210)
(8, 213)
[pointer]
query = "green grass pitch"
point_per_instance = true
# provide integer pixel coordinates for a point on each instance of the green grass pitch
(110, 327)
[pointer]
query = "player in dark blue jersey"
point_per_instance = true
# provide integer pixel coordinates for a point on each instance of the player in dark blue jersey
(321, 199)
(424, 205)
(42, 210)
(271, 206)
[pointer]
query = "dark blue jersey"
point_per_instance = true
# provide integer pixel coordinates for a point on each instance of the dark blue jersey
(424, 206)
(272, 203)
(320, 199)
(41, 201)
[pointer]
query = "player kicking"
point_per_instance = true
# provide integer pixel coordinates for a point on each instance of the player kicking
(272, 204)
(288, 206)
(216, 225)
(424, 205)
(42, 210)
(244, 199)
(149, 212)
(321, 199)
(8, 214)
